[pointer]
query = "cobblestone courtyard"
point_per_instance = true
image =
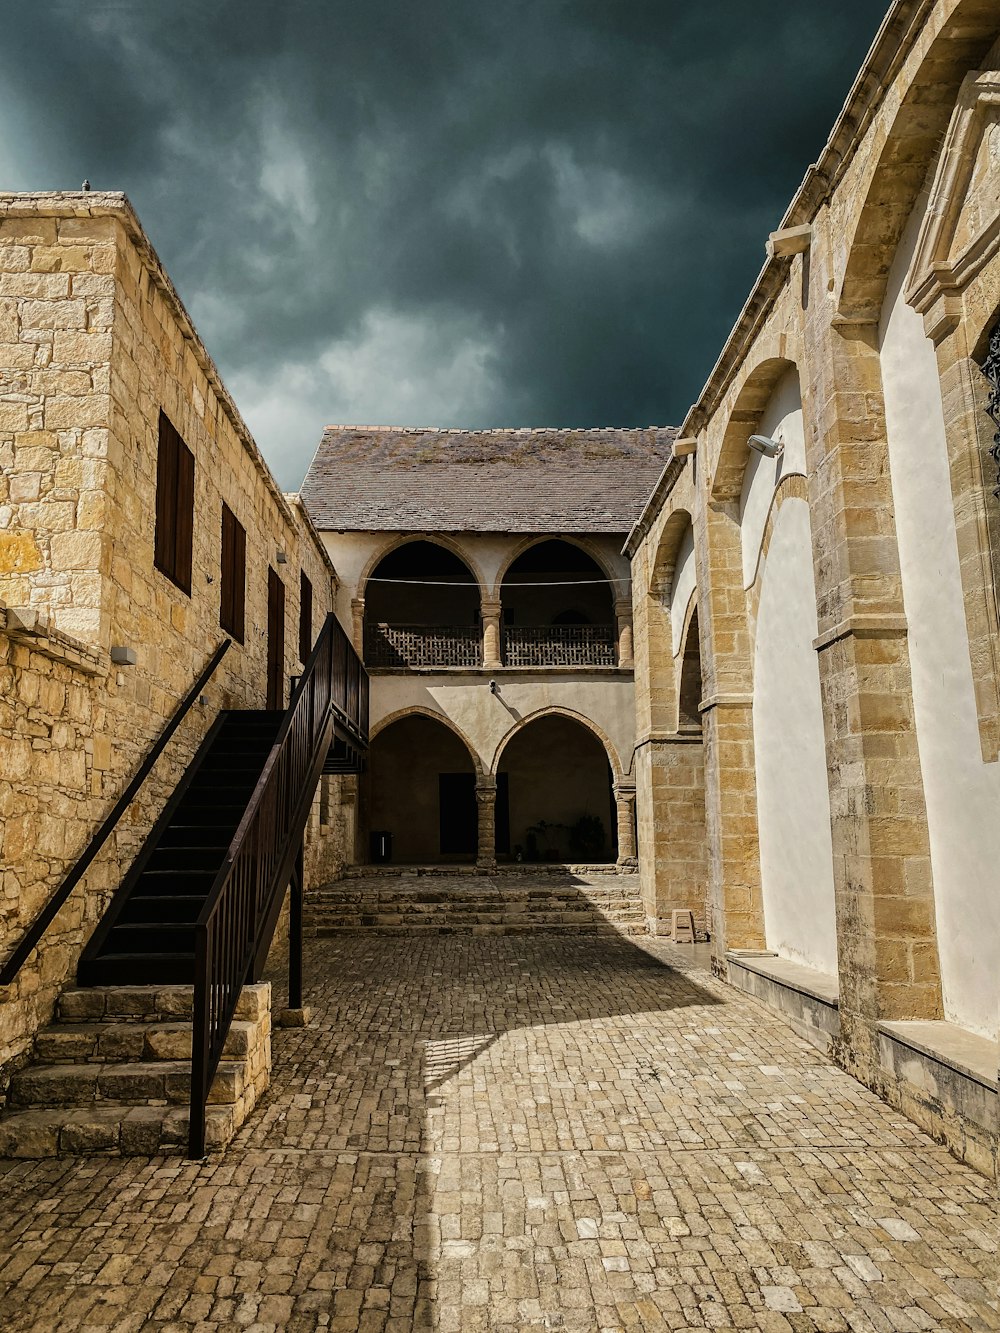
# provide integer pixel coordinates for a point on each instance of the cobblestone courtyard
(519, 1132)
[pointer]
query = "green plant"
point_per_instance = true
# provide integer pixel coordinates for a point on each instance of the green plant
(586, 839)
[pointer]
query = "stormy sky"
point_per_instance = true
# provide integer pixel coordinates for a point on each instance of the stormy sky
(439, 212)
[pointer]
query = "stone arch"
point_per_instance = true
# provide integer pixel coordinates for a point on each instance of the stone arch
(419, 710)
(668, 547)
(794, 484)
(690, 678)
(908, 146)
(588, 548)
(434, 539)
(751, 400)
(557, 710)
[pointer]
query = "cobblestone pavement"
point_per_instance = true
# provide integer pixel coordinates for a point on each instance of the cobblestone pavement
(510, 1133)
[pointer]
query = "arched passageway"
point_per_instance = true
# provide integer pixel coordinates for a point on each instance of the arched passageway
(558, 607)
(422, 793)
(422, 609)
(689, 693)
(554, 794)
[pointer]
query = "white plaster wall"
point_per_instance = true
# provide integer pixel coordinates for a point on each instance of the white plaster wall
(485, 719)
(793, 803)
(683, 587)
(781, 420)
(962, 793)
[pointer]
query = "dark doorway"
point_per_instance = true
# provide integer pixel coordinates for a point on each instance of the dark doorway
(561, 802)
(502, 810)
(275, 641)
(457, 793)
(421, 788)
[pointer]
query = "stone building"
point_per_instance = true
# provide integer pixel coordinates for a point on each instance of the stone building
(104, 624)
(815, 582)
(483, 576)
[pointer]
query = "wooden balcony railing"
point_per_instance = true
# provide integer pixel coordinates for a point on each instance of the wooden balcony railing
(403, 646)
(559, 645)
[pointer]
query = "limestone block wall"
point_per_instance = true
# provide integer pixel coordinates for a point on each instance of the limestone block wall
(96, 343)
(890, 500)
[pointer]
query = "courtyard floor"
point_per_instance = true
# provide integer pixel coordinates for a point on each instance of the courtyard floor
(517, 1132)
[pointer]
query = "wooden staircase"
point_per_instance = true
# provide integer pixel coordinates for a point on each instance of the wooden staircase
(147, 934)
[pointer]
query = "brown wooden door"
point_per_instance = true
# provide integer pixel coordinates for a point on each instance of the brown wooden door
(275, 640)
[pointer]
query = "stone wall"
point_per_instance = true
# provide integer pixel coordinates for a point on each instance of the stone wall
(886, 473)
(95, 344)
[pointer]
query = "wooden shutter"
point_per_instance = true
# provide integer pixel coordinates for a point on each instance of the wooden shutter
(275, 640)
(173, 540)
(232, 595)
(305, 617)
(166, 498)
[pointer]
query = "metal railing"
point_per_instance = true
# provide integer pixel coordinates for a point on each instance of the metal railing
(559, 645)
(401, 646)
(48, 913)
(236, 924)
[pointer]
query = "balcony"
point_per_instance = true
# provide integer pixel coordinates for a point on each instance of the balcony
(397, 647)
(391, 647)
(559, 645)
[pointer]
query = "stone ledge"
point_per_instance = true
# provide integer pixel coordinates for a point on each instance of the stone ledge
(965, 1052)
(945, 1079)
(34, 629)
(807, 998)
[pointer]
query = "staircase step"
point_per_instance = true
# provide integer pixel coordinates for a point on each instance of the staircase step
(110, 1130)
(151, 1082)
(74, 1043)
(132, 969)
(151, 937)
(172, 909)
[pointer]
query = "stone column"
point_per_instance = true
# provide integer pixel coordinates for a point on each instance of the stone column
(735, 903)
(625, 810)
(623, 618)
(670, 790)
(886, 936)
(358, 625)
(486, 795)
(490, 612)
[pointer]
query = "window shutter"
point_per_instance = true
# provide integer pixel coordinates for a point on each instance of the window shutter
(173, 537)
(305, 616)
(232, 595)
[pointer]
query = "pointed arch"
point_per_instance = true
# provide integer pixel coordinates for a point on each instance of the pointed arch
(904, 154)
(753, 397)
(588, 548)
(420, 710)
(557, 710)
(432, 539)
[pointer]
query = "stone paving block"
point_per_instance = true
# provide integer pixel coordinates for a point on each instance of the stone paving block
(509, 1133)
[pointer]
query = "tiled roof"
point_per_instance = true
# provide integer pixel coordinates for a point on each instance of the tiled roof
(396, 479)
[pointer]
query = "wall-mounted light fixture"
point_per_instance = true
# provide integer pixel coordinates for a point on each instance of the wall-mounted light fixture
(122, 656)
(763, 444)
(281, 558)
(494, 687)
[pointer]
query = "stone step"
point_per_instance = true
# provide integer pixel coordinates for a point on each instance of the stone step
(141, 1083)
(389, 918)
(475, 900)
(145, 1004)
(76, 1043)
(630, 928)
(111, 1130)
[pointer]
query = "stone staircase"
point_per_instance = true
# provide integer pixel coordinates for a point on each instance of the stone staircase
(112, 1075)
(406, 902)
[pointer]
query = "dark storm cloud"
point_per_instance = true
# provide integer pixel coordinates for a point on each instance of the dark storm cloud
(445, 213)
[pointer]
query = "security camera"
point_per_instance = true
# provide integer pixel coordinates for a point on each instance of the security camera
(763, 444)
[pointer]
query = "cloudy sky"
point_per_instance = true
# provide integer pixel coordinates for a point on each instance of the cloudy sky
(439, 212)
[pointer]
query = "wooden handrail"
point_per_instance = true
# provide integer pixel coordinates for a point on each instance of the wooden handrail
(45, 917)
(241, 910)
